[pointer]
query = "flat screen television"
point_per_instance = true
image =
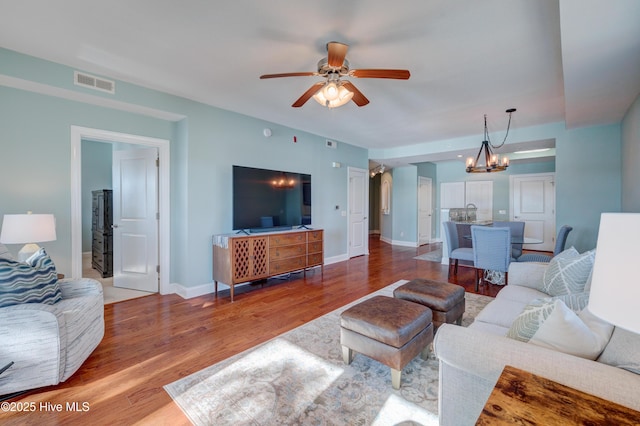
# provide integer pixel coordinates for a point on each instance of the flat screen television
(265, 200)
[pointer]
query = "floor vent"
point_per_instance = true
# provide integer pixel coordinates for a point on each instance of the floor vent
(93, 82)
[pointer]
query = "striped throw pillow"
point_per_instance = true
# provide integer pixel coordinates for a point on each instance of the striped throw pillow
(35, 281)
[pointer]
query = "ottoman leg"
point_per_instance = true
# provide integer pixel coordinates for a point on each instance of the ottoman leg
(425, 352)
(396, 378)
(459, 321)
(347, 355)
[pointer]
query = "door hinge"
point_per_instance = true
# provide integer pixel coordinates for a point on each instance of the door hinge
(157, 162)
(157, 215)
(158, 268)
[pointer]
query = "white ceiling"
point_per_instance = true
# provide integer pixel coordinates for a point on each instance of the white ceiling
(569, 60)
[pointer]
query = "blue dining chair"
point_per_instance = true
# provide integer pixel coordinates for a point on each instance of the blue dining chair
(491, 251)
(561, 241)
(455, 252)
(517, 231)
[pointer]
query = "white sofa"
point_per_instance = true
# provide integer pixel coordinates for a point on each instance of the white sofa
(471, 359)
(47, 343)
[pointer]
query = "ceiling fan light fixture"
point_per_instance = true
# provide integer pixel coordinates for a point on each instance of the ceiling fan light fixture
(338, 95)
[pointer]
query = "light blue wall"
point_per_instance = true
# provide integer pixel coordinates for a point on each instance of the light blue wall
(631, 159)
(404, 205)
(588, 180)
(205, 143)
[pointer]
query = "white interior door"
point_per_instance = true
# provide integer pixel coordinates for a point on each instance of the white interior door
(425, 210)
(358, 208)
(533, 202)
(135, 219)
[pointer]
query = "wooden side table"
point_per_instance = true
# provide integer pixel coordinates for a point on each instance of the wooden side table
(521, 397)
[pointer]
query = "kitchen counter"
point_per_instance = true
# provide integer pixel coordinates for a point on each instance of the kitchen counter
(473, 222)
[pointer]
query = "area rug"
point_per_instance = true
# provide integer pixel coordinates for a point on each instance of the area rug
(432, 256)
(299, 378)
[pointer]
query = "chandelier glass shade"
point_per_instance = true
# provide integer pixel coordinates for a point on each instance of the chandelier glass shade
(492, 162)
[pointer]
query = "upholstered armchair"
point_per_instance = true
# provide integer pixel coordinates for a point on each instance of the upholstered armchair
(47, 340)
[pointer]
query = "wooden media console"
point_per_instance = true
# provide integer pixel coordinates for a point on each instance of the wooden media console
(243, 258)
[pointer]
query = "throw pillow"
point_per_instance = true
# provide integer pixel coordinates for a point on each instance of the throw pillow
(575, 301)
(551, 324)
(35, 281)
(568, 272)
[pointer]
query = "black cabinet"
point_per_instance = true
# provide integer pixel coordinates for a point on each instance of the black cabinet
(102, 219)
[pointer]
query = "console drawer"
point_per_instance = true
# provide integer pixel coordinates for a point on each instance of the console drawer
(284, 252)
(315, 235)
(315, 247)
(287, 265)
(287, 239)
(314, 259)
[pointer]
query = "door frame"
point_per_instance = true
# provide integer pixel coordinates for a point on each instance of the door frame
(164, 223)
(423, 180)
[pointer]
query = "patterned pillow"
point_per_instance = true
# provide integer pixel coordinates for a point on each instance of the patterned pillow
(568, 272)
(575, 301)
(551, 324)
(35, 281)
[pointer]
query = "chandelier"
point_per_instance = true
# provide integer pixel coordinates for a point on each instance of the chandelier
(283, 182)
(492, 162)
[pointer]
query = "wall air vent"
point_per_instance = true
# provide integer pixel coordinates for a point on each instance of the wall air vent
(93, 82)
(331, 144)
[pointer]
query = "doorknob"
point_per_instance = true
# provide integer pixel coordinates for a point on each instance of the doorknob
(114, 226)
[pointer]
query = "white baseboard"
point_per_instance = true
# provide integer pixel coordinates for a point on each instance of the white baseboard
(399, 243)
(200, 290)
(336, 259)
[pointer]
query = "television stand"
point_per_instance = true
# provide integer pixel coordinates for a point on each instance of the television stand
(243, 258)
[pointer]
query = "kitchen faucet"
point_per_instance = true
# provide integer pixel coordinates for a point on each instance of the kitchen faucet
(466, 210)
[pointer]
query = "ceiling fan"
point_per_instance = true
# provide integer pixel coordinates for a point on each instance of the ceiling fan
(334, 91)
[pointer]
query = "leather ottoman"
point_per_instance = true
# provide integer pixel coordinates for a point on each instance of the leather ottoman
(445, 300)
(391, 331)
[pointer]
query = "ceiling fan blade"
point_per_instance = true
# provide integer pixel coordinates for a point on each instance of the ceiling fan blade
(336, 53)
(308, 94)
(289, 74)
(358, 97)
(372, 73)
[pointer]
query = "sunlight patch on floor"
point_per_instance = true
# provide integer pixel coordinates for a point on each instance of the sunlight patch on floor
(399, 411)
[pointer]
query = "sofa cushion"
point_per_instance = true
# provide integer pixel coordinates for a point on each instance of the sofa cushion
(35, 281)
(5, 253)
(520, 294)
(623, 350)
(501, 311)
(551, 324)
(568, 272)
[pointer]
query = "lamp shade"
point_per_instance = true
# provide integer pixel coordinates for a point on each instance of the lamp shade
(615, 289)
(27, 228)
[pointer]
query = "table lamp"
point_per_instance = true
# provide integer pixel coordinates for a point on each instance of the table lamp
(615, 288)
(27, 229)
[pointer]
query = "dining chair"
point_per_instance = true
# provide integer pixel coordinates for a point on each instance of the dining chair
(561, 241)
(517, 232)
(491, 251)
(455, 252)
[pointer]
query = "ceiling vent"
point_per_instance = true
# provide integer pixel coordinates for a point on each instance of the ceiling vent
(93, 82)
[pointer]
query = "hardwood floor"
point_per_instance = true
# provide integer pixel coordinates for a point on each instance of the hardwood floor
(155, 340)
